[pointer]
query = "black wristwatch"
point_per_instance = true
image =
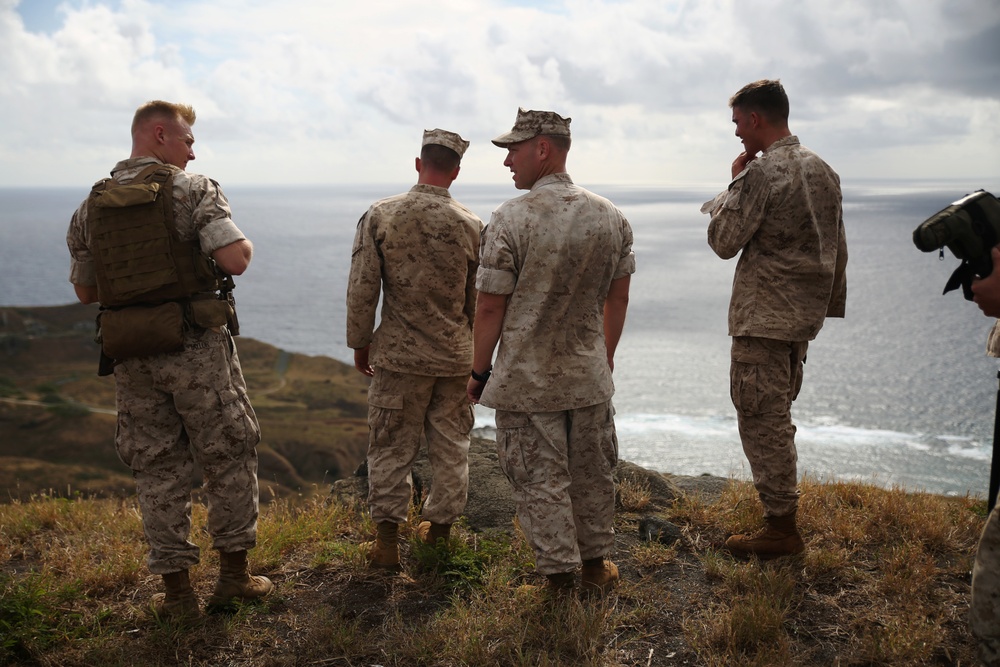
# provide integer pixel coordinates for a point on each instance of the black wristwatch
(483, 377)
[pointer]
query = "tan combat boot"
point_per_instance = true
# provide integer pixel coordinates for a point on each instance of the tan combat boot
(599, 577)
(383, 553)
(236, 583)
(779, 537)
(179, 602)
(429, 532)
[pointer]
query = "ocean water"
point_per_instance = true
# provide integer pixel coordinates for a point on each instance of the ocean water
(899, 393)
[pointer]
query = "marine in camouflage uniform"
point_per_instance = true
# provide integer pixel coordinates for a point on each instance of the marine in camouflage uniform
(419, 249)
(553, 279)
(782, 212)
(984, 611)
(190, 405)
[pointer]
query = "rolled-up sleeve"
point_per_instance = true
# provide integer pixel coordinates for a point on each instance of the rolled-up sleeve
(497, 272)
(626, 259)
(81, 267)
(213, 218)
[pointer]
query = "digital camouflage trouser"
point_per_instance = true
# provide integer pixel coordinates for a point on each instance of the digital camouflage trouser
(765, 377)
(984, 614)
(174, 409)
(560, 465)
(401, 409)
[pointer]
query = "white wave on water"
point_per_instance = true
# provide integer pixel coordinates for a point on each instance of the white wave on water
(827, 433)
(698, 444)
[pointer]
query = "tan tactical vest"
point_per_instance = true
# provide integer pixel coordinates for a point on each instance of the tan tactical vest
(138, 255)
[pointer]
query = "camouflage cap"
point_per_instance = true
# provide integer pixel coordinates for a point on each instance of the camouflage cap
(530, 124)
(446, 139)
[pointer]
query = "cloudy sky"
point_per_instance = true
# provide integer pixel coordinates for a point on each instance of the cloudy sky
(300, 91)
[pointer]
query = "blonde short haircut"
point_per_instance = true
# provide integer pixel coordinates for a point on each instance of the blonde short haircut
(157, 108)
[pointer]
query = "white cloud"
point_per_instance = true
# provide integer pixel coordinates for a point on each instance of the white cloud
(339, 92)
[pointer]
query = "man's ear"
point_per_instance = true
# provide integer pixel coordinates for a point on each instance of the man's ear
(544, 147)
(416, 164)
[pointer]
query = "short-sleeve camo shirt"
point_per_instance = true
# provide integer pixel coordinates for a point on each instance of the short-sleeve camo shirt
(555, 251)
(421, 251)
(784, 211)
(200, 210)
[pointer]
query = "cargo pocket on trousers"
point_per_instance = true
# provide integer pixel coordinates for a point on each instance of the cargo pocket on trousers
(610, 438)
(513, 431)
(744, 388)
(124, 443)
(240, 432)
(385, 416)
(468, 418)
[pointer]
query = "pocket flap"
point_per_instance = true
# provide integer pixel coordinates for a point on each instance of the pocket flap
(228, 395)
(386, 400)
(512, 419)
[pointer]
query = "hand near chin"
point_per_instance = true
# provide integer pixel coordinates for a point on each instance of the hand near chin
(741, 162)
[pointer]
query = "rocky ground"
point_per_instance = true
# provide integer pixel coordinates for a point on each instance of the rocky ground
(490, 506)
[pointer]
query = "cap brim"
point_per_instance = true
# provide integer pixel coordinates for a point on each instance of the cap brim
(512, 137)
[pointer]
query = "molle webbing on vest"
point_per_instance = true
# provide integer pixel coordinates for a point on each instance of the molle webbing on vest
(138, 254)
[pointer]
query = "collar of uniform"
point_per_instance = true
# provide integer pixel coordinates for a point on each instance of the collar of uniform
(132, 166)
(431, 190)
(790, 140)
(550, 179)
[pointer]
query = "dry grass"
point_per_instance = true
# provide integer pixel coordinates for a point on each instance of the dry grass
(884, 581)
(633, 496)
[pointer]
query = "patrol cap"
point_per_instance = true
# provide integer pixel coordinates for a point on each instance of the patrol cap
(447, 139)
(530, 124)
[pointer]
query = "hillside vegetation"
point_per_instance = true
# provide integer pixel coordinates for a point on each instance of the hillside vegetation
(57, 420)
(884, 581)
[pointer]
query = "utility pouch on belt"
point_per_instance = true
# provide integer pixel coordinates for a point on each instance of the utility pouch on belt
(141, 331)
(210, 313)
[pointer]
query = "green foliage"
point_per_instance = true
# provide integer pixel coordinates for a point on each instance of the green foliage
(979, 508)
(30, 623)
(459, 565)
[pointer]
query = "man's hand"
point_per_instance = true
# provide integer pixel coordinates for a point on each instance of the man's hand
(741, 162)
(475, 390)
(361, 361)
(986, 290)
